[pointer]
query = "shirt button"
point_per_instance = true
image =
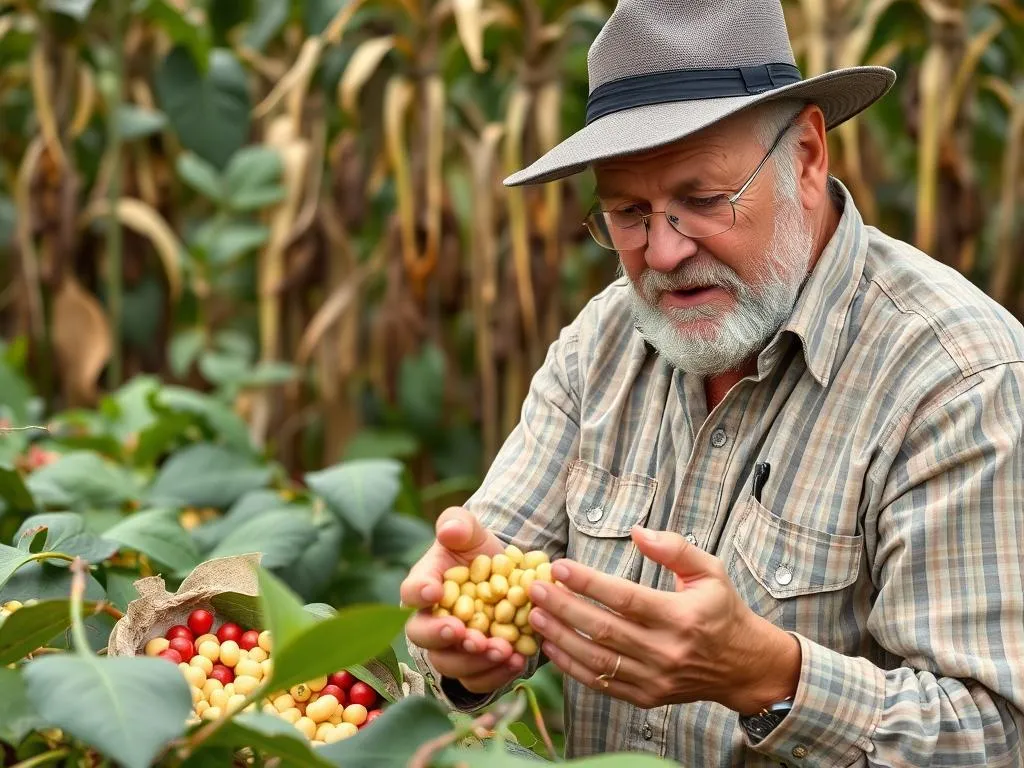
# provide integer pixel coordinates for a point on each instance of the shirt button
(648, 732)
(783, 575)
(799, 751)
(691, 538)
(718, 438)
(595, 514)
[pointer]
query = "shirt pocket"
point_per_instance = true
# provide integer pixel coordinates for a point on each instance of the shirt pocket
(797, 577)
(602, 508)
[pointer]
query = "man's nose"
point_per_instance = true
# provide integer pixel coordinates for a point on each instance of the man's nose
(666, 247)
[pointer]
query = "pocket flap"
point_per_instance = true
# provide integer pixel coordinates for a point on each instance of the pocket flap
(606, 505)
(789, 559)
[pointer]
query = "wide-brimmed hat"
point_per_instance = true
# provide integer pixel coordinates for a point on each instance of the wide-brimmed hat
(660, 70)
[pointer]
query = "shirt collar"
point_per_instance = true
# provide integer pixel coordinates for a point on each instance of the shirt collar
(821, 308)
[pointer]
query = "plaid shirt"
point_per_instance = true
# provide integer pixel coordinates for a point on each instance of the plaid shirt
(889, 538)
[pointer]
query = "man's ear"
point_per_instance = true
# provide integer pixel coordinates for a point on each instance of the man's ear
(812, 159)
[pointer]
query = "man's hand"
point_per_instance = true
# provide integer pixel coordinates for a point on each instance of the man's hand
(482, 664)
(699, 643)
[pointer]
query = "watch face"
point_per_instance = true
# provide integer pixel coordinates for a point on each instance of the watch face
(759, 726)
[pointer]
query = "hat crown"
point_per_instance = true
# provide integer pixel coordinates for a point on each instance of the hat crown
(643, 37)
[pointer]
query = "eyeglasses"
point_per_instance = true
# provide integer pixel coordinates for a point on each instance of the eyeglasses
(694, 217)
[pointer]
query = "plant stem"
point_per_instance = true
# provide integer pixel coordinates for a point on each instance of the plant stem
(110, 609)
(53, 556)
(210, 728)
(531, 698)
(115, 268)
(43, 758)
(78, 572)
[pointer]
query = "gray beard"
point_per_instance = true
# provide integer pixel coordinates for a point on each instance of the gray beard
(726, 340)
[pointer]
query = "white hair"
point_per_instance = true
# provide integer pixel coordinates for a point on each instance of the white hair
(769, 119)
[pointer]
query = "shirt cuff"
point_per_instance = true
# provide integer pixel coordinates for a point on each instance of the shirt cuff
(837, 706)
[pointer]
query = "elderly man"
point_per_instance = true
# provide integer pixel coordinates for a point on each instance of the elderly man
(778, 464)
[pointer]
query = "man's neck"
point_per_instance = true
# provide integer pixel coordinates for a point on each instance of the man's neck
(717, 387)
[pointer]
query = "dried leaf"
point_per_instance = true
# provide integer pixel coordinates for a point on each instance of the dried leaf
(1001, 281)
(301, 72)
(397, 98)
(933, 85)
(85, 106)
(81, 341)
(469, 23)
(515, 122)
(43, 97)
(360, 68)
(975, 49)
(23, 233)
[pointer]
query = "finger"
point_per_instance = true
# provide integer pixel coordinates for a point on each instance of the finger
(476, 641)
(434, 632)
(602, 626)
(616, 688)
(458, 664)
(422, 587)
(640, 603)
(496, 678)
(460, 532)
(587, 652)
(687, 561)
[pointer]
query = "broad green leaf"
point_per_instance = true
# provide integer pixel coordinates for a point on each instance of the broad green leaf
(385, 663)
(248, 506)
(14, 492)
(126, 707)
(131, 403)
(310, 574)
(210, 112)
(364, 584)
(39, 581)
(31, 627)
(15, 393)
(228, 426)
(157, 534)
(421, 389)
(244, 610)
(248, 200)
(373, 443)
(201, 176)
(281, 537)
(161, 436)
(220, 369)
(359, 492)
(121, 586)
(252, 168)
(283, 612)
(76, 9)
(225, 242)
(137, 122)
(269, 735)
(401, 538)
(395, 736)
(17, 717)
(269, 18)
(353, 636)
(321, 610)
(11, 560)
(268, 373)
(206, 475)
(65, 533)
(236, 342)
(87, 479)
(184, 349)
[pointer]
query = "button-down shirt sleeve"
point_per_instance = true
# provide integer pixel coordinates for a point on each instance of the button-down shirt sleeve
(948, 562)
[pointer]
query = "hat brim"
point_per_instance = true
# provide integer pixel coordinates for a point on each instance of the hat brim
(840, 94)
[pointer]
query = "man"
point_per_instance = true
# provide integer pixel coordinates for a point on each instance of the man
(778, 463)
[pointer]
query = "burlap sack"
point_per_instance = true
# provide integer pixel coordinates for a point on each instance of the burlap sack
(232, 582)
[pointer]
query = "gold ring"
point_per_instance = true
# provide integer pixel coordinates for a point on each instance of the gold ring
(605, 678)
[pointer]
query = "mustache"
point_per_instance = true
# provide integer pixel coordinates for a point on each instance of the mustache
(687, 276)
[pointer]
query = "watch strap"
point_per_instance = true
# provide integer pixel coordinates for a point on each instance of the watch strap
(767, 720)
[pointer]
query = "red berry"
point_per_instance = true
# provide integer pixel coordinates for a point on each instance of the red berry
(363, 694)
(200, 621)
(180, 630)
(183, 646)
(222, 673)
(229, 631)
(336, 692)
(343, 680)
(171, 655)
(372, 715)
(249, 640)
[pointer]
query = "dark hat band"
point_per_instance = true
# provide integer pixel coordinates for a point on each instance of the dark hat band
(686, 85)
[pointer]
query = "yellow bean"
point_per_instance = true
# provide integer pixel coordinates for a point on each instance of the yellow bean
(517, 596)
(257, 654)
(248, 668)
(346, 729)
(203, 663)
(441, 612)
(229, 653)
(522, 617)
(502, 564)
(513, 579)
(335, 734)
(156, 646)
(479, 622)
(264, 640)
(291, 715)
(246, 684)
(489, 612)
(485, 592)
(451, 594)
(322, 708)
(235, 702)
(480, 569)
(529, 576)
(306, 726)
(469, 588)
(508, 632)
(544, 572)
(218, 698)
(515, 554)
(211, 685)
(323, 731)
(504, 612)
(499, 585)
(201, 706)
(526, 645)
(458, 573)
(478, 605)
(300, 692)
(211, 713)
(316, 685)
(197, 694)
(534, 558)
(463, 609)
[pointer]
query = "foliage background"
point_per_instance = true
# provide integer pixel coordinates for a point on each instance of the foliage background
(276, 230)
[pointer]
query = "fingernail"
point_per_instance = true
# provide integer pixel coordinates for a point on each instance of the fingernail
(538, 590)
(538, 619)
(494, 655)
(470, 646)
(447, 633)
(560, 571)
(427, 593)
(450, 525)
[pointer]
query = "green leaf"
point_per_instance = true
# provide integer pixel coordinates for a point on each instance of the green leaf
(359, 492)
(157, 534)
(184, 349)
(317, 14)
(64, 532)
(270, 17)
(395, 736)
(17, 717)
(180, 27)
(269, 373)
(305, 648)
(211, 114)
(15, 393)
(11, 560)
(127, 707)
(248, 506)
(206, 475)
(121, 586)
(161, 436)
(310, 574)
(221, 369)
(31, 627)
(225, 15)
(256, 199)
(86, 479)
(137, 122)
(76, 9)
(252, 168)
(201, 176)
(225, 423)
(244, 610)
(225, 242)
(282, 537)
(401, 538)
(131, 404)
(269, 735)
(421, 388)
(373, 443)
(14, 492)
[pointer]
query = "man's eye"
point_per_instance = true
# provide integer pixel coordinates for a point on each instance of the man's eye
(704, 202)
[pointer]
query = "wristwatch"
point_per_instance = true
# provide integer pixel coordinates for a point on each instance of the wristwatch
(767, 720)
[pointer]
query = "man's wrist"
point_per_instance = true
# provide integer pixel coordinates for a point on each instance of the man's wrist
(777, 676)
